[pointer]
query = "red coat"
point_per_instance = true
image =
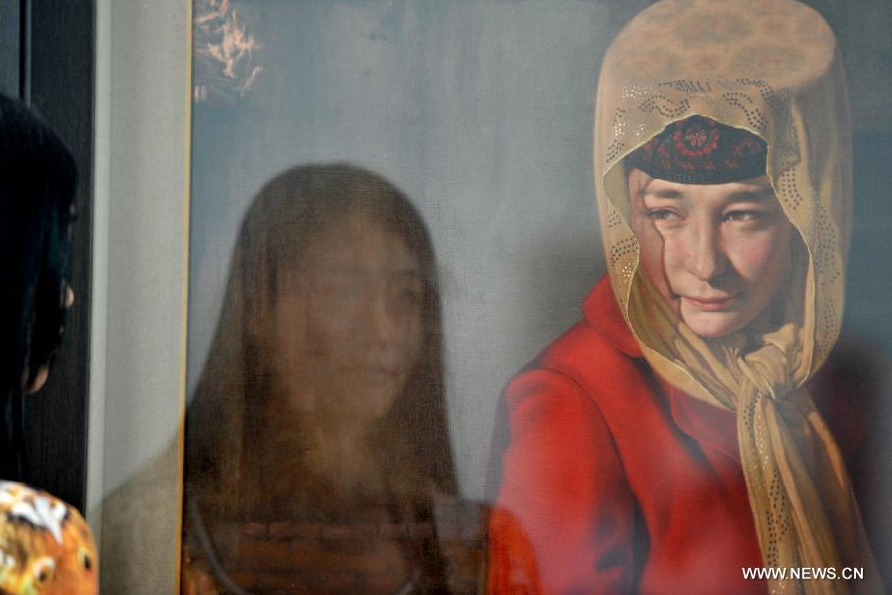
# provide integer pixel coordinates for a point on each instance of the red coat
(614, 482)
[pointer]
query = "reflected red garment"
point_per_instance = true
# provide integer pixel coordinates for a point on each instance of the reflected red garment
(614, 482)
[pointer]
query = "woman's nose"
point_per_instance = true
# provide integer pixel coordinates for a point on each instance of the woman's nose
(706, 258)
(384, 321)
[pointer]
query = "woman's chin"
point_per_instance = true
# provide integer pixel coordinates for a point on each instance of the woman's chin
(714, 325)
(369, 402)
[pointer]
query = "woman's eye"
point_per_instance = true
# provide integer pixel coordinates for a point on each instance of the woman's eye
(344, 291)
(662, 214)
(410, 296)
(744, 216)
(352, 292)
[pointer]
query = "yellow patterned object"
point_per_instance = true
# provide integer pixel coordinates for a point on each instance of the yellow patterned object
(46, 547)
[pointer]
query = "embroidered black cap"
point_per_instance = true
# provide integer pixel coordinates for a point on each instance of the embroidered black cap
(699, 150)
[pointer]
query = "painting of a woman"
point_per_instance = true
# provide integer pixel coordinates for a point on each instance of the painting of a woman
(694, 424)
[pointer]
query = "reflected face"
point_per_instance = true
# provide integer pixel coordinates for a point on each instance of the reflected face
(349, 321)
(718, 253)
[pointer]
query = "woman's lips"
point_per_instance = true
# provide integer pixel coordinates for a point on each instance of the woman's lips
(710, 304)
(383, 373)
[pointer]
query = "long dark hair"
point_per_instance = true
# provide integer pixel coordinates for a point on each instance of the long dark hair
(225, 420)
(37, 184)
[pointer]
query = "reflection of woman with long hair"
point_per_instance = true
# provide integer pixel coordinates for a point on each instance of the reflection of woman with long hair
(322, 398)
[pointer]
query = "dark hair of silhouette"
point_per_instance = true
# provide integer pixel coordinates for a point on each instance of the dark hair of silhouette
(37, 185)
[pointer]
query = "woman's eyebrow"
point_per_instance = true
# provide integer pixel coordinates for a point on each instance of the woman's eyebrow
(355, 270)
(754, 195)
(663, 193)
(410, 272)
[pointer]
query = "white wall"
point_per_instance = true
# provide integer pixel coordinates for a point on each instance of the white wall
(139, 291)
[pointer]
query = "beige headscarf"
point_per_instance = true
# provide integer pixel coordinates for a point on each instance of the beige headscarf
(771, 67)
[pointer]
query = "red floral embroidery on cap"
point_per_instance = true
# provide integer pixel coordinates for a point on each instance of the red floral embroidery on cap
(700, 150)
(696, 139)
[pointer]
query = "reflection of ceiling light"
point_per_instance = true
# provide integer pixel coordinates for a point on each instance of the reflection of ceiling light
(225, 55)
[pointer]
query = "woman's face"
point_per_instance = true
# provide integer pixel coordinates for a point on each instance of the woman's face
(716, 252)
(349, 320)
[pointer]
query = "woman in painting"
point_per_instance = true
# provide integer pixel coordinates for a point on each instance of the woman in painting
(320, 411)
(692, 426)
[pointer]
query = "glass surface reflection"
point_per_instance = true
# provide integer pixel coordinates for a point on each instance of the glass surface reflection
(318, 455)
